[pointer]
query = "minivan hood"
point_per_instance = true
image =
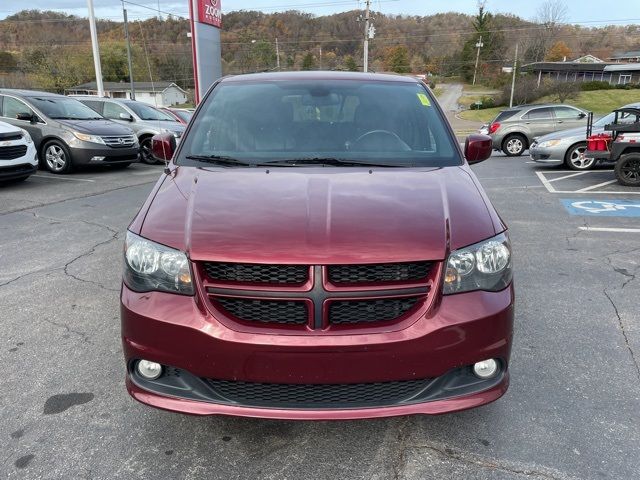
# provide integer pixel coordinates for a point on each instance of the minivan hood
(318, 215)
(96, 127)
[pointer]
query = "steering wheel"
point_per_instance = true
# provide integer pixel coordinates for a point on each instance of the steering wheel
(386, 141)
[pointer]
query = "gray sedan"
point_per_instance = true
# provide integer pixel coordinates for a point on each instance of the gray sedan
(568, 146)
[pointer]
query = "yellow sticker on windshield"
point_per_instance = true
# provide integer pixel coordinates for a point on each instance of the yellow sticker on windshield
(424, 100)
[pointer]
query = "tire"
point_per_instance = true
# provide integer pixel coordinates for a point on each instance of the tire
(57, 158)
(628, 170)
(514, 145)
(575, 159)
(120, 166)
(145, 152)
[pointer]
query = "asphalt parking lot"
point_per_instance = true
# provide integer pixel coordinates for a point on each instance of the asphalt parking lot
(572, 411)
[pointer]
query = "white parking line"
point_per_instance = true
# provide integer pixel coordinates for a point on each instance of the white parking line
(586, 189)
(610, 229)
(545, 182)
(51, 177)
(567, 176)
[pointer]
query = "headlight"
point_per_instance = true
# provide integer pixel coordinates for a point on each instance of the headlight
(150, 266)
(483, 266)
(550, 143)
(26, 136)
(174, 133)
(88, 138)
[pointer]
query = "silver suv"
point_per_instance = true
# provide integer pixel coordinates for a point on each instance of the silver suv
(144, 119)
(513, 130)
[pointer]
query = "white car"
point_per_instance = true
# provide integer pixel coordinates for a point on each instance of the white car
(18, 157)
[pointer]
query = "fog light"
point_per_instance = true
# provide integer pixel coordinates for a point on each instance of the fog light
(97, 159)
(486, 368)
(149, 370)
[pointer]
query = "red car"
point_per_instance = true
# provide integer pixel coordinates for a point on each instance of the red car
(318, 249)
(181, 115)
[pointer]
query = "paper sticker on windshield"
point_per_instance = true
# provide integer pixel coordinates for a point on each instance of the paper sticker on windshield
(424, 100)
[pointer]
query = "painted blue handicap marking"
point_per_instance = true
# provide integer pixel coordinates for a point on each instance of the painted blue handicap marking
(602, 207)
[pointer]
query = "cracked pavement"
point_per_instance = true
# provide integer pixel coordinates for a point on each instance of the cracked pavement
(571, 411)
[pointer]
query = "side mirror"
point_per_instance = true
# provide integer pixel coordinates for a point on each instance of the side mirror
(477, 148)
(582, 115)
(163, 146)
(29, 117)
(126, 116)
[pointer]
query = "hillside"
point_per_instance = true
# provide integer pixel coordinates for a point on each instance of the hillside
(52, 51)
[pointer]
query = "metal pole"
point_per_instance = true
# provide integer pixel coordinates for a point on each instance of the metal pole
(475, 70)
(126, 36)
(96, 49)
(277, 55)
(320, 63)
(513, 78)
(365, 61)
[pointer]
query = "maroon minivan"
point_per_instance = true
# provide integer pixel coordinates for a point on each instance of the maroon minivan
(318, 249)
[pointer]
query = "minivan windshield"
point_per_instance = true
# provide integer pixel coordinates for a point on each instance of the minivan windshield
(146, 112)
(64, 108)
(337, 122)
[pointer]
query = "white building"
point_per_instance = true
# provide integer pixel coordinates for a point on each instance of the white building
(158, 94)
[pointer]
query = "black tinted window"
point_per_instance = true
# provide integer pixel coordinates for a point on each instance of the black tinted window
(262, 121)
(502, 116)
(538, 114)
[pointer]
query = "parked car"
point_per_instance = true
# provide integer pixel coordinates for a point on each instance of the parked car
(181, 115)
(18, 157)
(66, 133)
(318, 248)
(568, 146)
(514, 129)
(144, 119)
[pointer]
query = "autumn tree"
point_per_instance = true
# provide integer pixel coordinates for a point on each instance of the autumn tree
(396, 59)
(558, 52)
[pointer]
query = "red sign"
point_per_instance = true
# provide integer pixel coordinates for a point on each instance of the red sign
(210, 12)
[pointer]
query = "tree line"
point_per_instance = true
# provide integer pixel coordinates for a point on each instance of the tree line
(52, 51)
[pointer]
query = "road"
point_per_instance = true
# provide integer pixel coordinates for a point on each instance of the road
(571, 411)
(448, 100)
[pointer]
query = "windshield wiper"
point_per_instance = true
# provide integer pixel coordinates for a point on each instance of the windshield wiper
(332, 161)
(219, 160)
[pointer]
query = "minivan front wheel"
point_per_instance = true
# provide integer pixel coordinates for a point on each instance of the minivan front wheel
(146, 155)
(56, 157)
(514, 145)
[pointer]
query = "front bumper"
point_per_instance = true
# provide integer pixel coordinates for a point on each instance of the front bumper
(547, 154)
(179, 331)
(103, 155)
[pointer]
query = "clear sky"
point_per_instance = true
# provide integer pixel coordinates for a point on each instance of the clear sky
(590, 12)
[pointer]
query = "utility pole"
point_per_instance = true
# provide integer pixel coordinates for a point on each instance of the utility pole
(513, 78)
(479, 45)
(320, 62)
(96, 49)
(126, 36)
(365, 61)
(277, 55)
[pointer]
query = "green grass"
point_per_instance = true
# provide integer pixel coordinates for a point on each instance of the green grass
(597, 101)
(437, 91)
(468, 100)
(484, 116)
(468, 88)
(600, 101)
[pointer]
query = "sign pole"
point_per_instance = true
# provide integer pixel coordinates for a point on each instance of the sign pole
(206, 22)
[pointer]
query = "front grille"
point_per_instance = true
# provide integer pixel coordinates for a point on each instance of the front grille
(257, 273)
(9, 136)
(119, 141)
(367, 311)
(381, 272)
(318, 396)
(12, 152)
(282, 312)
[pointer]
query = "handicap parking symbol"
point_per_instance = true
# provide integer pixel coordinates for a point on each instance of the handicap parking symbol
(602, 208)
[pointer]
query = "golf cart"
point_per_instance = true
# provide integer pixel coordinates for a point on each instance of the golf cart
(620, 144)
